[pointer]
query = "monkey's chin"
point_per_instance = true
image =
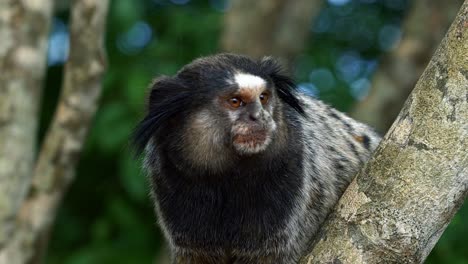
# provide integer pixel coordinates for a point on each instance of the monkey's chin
(249, 144)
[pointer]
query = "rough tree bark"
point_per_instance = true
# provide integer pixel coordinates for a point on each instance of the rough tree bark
(55, 166)
(423, 29)
(24, 28)
(269, 27)
(402, 200)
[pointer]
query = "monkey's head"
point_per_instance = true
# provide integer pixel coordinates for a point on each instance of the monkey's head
(217, 110)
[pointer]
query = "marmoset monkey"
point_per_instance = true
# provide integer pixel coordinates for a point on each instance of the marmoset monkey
(243, 167)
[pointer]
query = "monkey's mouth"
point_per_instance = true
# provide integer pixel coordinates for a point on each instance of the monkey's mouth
(254, 138)
(250, 143)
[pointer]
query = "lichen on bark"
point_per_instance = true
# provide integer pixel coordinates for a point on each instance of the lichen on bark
(24, 27)
(402, 200)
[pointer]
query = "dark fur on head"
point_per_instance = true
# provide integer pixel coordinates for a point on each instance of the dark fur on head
(174, 96)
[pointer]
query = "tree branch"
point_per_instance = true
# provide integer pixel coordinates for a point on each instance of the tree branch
(423, 29)
(65, 138)
(24, 28)
(402, 200)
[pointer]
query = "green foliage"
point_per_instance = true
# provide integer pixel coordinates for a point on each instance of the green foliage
(451, 248)
(107, 216)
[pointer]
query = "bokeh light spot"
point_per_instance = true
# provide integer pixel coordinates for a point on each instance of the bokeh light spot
(59, 43)
(322, 78)
(132, 41)
(220, 5)
(349, 66)
(180, 2)
(308, 88)
(338, 2)
(360, 88)
(389, 37)
(323, 23)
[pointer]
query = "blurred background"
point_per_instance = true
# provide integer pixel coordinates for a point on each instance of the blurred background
(361, 56)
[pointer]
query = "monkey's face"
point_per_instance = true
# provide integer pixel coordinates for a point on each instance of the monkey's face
(239, 118)
(249, 108)
(237, 115)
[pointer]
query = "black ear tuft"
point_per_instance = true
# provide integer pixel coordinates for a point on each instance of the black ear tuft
(168, 97)
(285, 86)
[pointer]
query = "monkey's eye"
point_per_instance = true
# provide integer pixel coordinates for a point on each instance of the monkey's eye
(235, 102)
(264, 98)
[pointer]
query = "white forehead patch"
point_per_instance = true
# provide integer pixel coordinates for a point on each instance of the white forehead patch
(245, 80)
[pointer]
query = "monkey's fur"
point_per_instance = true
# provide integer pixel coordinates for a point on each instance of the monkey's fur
(239, 179)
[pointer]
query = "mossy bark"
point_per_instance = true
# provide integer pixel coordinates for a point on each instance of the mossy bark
(402, 200)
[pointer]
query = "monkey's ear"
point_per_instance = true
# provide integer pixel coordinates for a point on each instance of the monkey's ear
(168, 97)
(285, 86)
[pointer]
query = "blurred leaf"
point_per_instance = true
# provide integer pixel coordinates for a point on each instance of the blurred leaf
(101, 230)
(113, 127)
(134, 183)
(127, 12)
(136, 88)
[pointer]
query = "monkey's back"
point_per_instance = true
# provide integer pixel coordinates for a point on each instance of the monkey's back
(335, 147)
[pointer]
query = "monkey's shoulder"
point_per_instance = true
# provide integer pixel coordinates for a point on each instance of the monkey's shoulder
(334, 127)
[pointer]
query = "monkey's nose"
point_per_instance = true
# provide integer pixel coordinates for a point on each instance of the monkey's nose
(254, 116)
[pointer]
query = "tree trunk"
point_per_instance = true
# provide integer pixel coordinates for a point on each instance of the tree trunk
(402, 200)
(424, 27)
(24, 28)
(269, 27)
(65, 138)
